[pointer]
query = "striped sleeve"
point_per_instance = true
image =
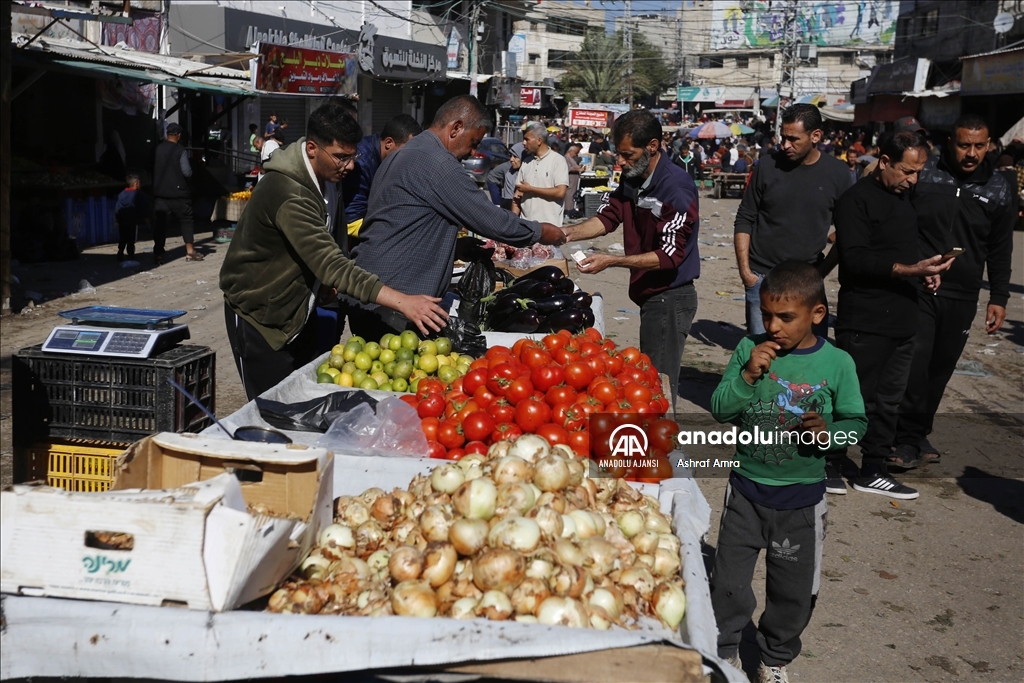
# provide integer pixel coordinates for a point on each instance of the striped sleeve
(674, 231)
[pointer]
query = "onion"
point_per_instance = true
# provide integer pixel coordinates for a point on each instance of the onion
(405, 564)
(550, 473)
(576, 470)
(646, 561)
(630, 523)
(528, 595)
(495, 605)
(476, 499)
(669, 542)
(445, 596)
(599, 618)
(639, 579)
(414, 599)
(516, 533)
(370, 495)
(666, 563)
(314, 567)
(669, 604)
(387, 509)
(439, 563)
(656, 522)
(498, 569)
(420, 487)
(526, 619)
(498, 450)
(472, 465)
(563, 612)
(464, 608)
(549, 521)
(601, 553)
(600, 525)
(335, 539)
(540, 568)
(340, 503)
(369, 537)
(537, 493)
(645, 542)
(586, 523)
(609, 599)
(555, 501)
(510, 470)
(468, 536)
(355, 513)
(569, 527)
(568, 553)
(564, 451)
(447, 478)
(569, 581)
(400, 532)
(515, 497)
(349, 566)
(435, 523)
(378, 562)
(530, 448)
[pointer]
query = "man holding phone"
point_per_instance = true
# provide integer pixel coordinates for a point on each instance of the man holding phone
(963, 204)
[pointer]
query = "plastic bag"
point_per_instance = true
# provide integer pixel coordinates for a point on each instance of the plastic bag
(314, 415)
(465, 336)
(476, 283)
(392, 431)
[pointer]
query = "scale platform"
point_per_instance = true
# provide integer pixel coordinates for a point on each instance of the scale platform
(119, 332)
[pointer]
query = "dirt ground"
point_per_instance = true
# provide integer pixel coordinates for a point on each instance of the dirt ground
(926, 590)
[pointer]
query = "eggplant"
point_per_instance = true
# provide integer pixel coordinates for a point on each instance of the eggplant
(525, 321)
(565, 286)
(582, 300)
(569, 319)
(551, 304)
(588, 317)
(550, 274)
(498, 312)
(531, 289)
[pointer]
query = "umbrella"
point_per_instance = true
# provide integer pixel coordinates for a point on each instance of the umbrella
(711, 130)
(1015, 132)
(740, 129)
(553, 129)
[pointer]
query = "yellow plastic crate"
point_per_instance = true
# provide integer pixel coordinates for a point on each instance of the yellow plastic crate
(75, 465)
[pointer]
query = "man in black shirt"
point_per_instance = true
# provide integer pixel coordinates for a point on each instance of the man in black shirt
(172, 195)
(876, 238)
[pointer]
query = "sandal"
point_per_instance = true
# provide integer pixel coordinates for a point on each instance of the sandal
(929, 455)
(903, 458)
(194, 257)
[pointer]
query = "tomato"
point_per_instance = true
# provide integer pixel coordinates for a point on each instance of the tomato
(476, 447)
(593, 334)
(483, 396)
(497, 351)
(534, 358)
(564, 356)
(410, 399)
(574, 418)
(520, 390)
(432, 405)
(663, 434)
(578, 375)
(580, 442)
(610, 468)
(478, 364)
(456, 384)
(635, 393)
(500, 359)
(589, 348)
(502, 411)
(662, 469)
(429, 386)
(474, 379)
(613, 364)
(531, 414)
(596, 365)
(478, 425)
(429, 426)
(449, 435)
(517, 348)
(500, 377)
(467, 409)
(560, 394)
(605, 392)
(553, 433)
(456, 454)
(543, 378)
(436, 450)
(506, 431)
(554, 341)
(587, 406)
(630, 355)
(455, 403)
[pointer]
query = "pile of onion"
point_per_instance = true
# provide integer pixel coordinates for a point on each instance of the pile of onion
(519, 534)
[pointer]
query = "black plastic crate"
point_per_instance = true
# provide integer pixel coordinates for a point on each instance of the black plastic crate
(109, 399)
(591, 203)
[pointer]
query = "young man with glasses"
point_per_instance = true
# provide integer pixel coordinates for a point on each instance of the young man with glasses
(285, 253)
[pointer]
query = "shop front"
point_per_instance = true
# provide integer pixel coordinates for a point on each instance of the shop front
(992, 86)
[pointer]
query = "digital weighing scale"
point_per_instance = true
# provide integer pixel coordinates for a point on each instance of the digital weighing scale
(113, 331)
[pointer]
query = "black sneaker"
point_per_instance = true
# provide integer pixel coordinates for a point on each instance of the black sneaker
(834, 480)
(885, 485)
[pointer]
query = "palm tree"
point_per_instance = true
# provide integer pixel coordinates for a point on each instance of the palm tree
(598, 71)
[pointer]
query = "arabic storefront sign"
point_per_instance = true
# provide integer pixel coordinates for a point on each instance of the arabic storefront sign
(454, 48)
(697, 94)
(529, 98)
(998, 74)
(300, 71)
(589, 118)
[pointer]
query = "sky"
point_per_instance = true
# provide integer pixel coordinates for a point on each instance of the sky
(616, 8)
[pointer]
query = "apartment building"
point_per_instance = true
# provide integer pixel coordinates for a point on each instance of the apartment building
(548, 35)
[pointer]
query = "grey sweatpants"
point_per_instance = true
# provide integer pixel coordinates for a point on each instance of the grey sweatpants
(793, 540)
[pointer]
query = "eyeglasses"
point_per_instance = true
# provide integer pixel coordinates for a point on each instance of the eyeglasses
(345, 159)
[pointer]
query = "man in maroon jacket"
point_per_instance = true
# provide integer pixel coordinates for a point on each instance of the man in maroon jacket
(657, 205)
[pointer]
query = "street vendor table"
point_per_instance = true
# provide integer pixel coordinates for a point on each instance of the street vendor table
(728, 182)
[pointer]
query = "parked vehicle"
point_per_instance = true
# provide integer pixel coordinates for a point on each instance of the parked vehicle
(491, 152)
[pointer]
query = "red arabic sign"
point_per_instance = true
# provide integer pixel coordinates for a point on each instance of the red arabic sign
(300, 71)
(529, 98)
(589, 118)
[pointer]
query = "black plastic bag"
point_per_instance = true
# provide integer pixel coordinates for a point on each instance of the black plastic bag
(476, 283)
(466, 337)
(314, 415)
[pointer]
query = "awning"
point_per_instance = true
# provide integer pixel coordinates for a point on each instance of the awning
(994, 73)
(843, 113)
(213, 86)
(810, 99)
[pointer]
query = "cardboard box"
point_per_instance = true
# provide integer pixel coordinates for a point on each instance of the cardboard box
(561, 263)
(183, 500)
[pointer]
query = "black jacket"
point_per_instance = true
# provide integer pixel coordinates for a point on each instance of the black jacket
(170, 179)
(973, 213)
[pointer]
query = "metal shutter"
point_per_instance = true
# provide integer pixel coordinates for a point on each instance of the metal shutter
(291, 109)
(387, 104)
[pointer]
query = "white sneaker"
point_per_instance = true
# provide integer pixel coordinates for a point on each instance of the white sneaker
(771, 674)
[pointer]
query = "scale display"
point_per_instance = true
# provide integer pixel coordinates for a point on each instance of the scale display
(124, 343)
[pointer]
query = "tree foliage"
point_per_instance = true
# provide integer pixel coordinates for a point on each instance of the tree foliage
(598, 72)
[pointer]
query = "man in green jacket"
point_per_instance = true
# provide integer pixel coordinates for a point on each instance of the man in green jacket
(284, 254)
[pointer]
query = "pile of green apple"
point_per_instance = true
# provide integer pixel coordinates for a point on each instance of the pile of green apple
(397, 363)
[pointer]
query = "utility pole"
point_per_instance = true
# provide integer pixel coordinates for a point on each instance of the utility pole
(628, 35)
(789, 61)
(679, 49)
(474, 46)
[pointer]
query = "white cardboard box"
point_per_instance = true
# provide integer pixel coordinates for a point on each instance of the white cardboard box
(194, 542)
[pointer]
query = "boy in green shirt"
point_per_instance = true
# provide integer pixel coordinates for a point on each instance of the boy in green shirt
(794, 397)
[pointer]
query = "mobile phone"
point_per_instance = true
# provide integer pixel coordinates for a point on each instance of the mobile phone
(953, 253)
(578, 256)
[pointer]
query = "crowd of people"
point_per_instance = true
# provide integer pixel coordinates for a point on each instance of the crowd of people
(370, 225)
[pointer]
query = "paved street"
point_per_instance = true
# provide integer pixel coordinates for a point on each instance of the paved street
(926, 590)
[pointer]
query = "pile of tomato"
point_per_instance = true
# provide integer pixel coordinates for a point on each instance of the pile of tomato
(569, 389)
